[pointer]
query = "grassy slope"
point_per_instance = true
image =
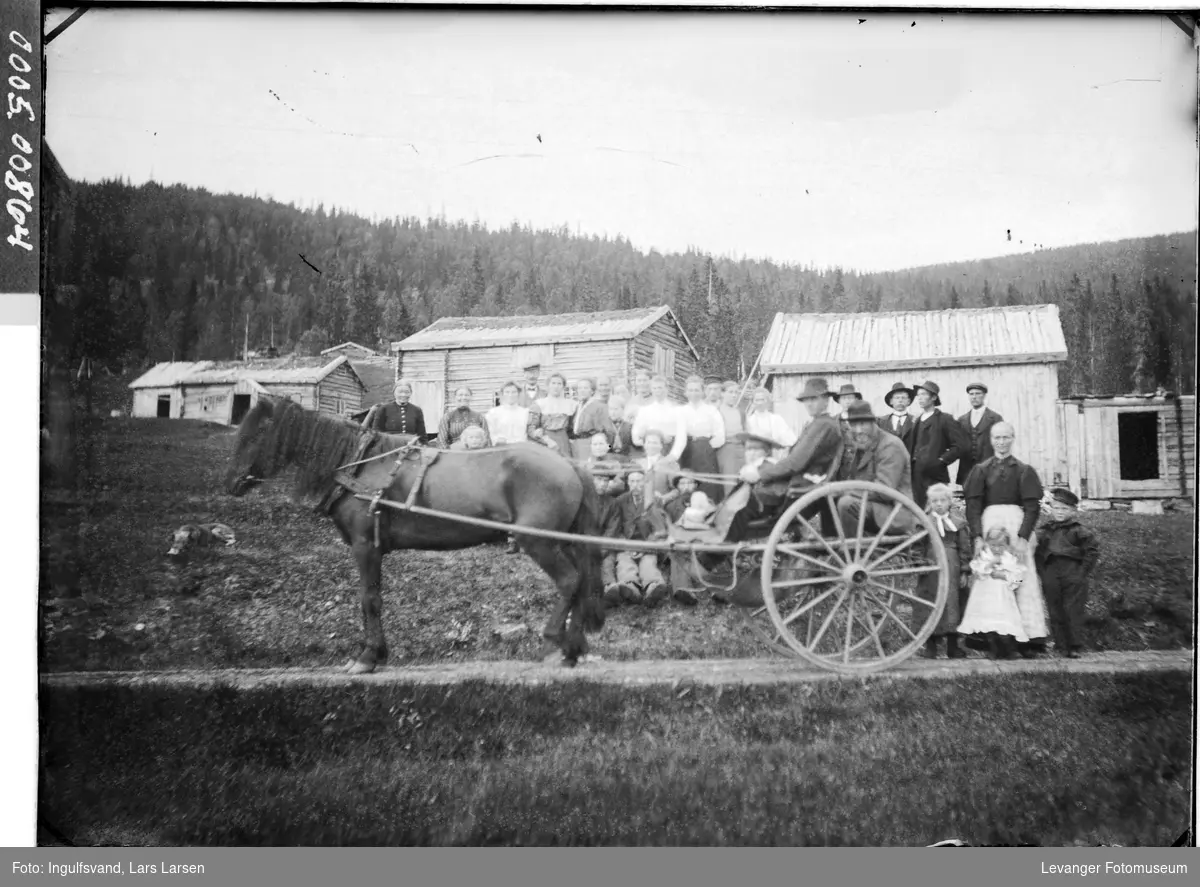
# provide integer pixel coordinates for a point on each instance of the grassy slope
(286, 594)
(1050, 760)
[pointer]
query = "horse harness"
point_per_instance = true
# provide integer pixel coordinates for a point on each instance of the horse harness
(348, 480)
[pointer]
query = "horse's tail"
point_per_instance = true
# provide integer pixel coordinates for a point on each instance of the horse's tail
(589, 594)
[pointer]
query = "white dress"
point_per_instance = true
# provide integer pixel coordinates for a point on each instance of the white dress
(992, 606)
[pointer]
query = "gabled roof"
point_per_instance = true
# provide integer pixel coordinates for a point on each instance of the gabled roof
(169, 374)
(281, 371)
(348, 345)
(536, 329)
(799, 343)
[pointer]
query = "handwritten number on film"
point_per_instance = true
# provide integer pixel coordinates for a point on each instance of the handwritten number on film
(16, 177)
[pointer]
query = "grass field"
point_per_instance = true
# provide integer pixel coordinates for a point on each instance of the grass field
(286, 594)
(1050, 760)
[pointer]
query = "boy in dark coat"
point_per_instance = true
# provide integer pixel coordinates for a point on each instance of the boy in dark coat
(1066, 557)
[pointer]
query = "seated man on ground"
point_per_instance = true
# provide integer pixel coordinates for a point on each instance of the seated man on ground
(639, 579)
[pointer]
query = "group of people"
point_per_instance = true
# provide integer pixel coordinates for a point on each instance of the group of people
(658, 463)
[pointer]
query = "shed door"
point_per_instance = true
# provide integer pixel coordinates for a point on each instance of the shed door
(431, 398)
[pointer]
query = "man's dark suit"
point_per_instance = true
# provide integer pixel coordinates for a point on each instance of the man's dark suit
(938, 440)
(905, 432)
(980, 438)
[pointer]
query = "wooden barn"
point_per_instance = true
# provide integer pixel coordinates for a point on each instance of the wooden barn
(377, 372)
(1016, 351)
(224, 392)
(485, 352)
(1130, 447)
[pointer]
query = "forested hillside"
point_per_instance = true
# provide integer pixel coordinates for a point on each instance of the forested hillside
(150, 273)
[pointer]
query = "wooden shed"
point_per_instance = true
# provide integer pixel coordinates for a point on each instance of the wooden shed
(1128, 447)
(485, 352)
(1014, 350)
(225, 392)
(377, 372)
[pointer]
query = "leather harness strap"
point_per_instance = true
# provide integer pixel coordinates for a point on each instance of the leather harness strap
(348, 481)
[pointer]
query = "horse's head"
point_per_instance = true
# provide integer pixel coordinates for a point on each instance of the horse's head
(254, 457)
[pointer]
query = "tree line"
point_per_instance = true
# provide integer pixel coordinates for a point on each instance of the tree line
(137, 275)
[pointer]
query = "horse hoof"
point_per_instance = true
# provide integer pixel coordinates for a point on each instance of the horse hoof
(359, 668)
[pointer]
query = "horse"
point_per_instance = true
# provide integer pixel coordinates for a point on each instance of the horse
(523, 484)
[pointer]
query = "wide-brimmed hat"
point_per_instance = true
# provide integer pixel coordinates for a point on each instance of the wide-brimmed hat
(814, 388)
(848, 388)
(977, 385)
(683, 475)
(932, 388)
(1065, 496)
(859, 411)
(897, 387)
(531, 365)
(746, 437)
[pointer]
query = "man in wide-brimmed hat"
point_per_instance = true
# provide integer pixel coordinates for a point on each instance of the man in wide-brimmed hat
(899, 422)
(846, 396)
(813, 458)
(878, 457)
(977, 422)
(937, 441)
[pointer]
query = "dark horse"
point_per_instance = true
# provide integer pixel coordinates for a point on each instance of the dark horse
(525, 485)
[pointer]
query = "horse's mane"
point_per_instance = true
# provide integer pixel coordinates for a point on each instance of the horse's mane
(318, 444)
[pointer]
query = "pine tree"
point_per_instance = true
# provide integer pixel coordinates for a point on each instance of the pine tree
(1012, 296)
(1116, 347)
(987, 299)
(1143, 337)
(955, 302)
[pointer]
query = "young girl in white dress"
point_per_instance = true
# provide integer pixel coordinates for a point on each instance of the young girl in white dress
(992, 607)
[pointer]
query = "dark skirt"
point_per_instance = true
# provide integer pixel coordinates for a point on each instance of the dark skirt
(700, 457)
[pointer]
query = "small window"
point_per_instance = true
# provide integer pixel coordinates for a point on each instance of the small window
(1137, 440)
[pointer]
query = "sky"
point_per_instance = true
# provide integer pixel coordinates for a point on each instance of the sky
(900, 141)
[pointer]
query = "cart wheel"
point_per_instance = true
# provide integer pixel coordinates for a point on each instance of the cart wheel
(847, 602)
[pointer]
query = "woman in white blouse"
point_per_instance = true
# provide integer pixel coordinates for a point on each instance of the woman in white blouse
(662, 415)
(509, 422)
(705, 430)
(762, 421)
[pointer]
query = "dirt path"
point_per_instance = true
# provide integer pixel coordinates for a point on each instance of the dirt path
(643, 673)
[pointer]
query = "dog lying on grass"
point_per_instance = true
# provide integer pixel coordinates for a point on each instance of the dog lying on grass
(194, 536)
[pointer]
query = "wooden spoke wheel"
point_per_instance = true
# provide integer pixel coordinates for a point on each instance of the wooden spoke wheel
(848, 600)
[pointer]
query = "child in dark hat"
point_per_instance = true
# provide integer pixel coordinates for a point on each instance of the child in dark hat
(1066, 557)
(676, 501)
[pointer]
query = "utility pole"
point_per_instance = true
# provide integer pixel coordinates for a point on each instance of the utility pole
(246, 341)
